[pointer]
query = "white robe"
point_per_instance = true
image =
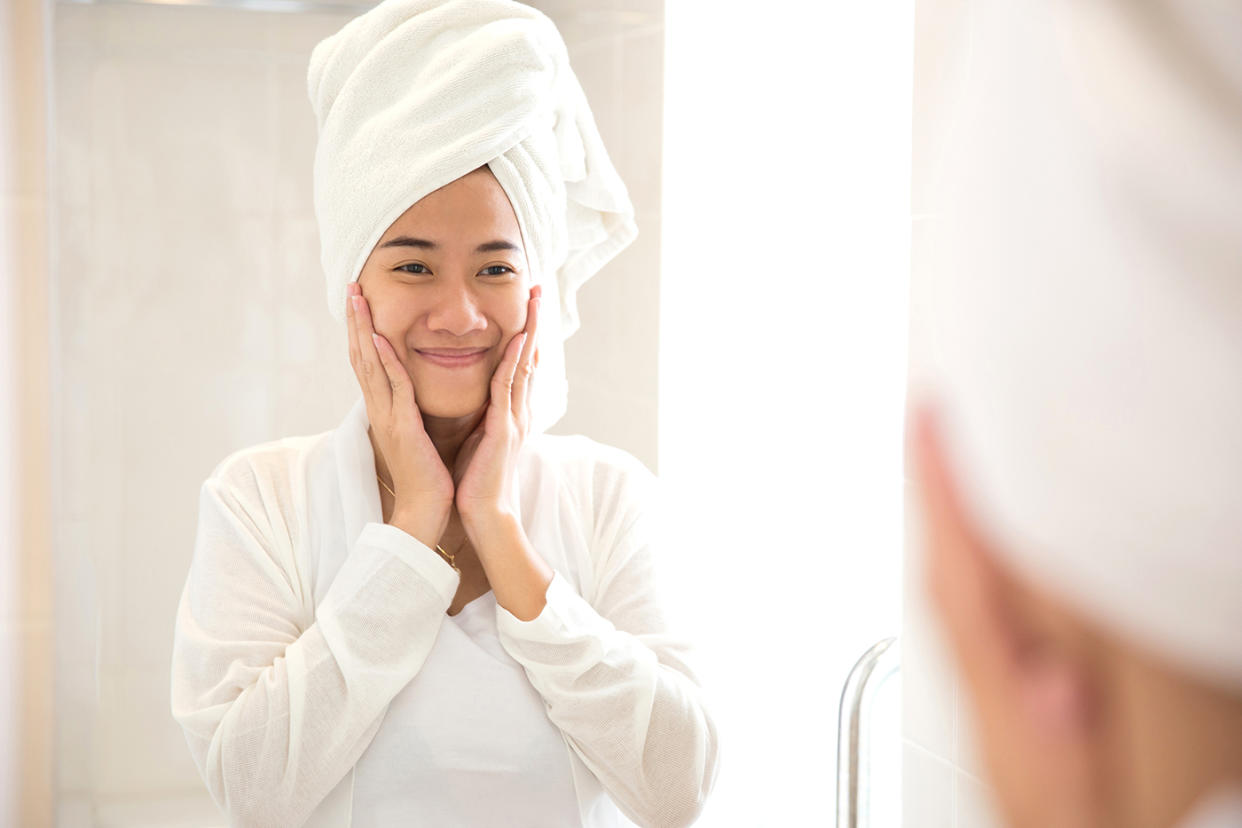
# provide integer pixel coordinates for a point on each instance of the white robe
(304, 616)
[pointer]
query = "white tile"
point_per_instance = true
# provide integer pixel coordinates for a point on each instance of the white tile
(927, 789)
(77, 631)
(171, 134)
(928, 679)
(966, 754)
(612, 361)
(976, 807)
(183, 31)
(582, 21)
(291, 37)
(295, 135)
(596, 62)
(885, 747)
(183, 810)
(74, 809)
(639, 157)
(75, 48)
(597, 65)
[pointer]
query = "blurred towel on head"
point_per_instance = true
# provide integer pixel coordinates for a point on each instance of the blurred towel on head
(1086, 321)
(414, 94)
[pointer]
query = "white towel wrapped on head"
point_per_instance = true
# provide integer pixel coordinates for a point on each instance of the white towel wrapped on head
(1089, 314)
(414, 94)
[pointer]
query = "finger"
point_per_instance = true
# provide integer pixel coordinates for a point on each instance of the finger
(349, 328)
(373, 376)
(465, 453)
(502, 379)
(404, 404)
(525, 365)
(956, 565)
(357, 355)
(944, 542)
(530, 392)
(355, 351)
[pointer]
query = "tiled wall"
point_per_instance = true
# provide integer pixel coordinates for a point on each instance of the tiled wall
(188, 309)
(942, 775)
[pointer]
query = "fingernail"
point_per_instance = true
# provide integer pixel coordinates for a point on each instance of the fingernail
(357, 300)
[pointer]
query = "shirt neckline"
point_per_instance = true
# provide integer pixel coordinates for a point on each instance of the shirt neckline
(486, 597)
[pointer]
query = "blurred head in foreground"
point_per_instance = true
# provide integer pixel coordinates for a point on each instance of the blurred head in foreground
(1076, 430)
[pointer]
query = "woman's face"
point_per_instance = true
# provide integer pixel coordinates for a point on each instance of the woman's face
(450, 275)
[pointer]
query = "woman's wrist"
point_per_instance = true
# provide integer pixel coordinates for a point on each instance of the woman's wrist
(484, 527)
(426, 529)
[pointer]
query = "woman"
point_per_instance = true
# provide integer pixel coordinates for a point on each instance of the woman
(436, 614)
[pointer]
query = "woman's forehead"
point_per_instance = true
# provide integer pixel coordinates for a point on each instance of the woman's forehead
(470, 211)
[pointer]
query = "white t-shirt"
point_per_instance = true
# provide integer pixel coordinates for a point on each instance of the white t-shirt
(319, 680)
(467, 741)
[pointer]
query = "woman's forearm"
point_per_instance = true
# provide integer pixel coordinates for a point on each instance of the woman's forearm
(518, 574)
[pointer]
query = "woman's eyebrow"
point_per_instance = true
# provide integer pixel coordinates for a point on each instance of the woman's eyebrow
(485, 247)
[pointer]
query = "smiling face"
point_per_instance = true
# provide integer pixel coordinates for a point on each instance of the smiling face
(448, 285)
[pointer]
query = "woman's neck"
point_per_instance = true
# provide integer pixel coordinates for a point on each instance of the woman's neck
(447, 435)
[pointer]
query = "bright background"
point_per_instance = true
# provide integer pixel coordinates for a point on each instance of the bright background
(783, 334)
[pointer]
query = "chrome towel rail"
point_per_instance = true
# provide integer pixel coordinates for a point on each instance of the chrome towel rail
(875, 665)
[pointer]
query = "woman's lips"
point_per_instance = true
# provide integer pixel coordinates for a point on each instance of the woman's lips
(450, 360)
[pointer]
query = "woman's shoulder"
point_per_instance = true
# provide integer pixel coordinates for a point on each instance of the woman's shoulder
(611, 489)
(582, 455)
(604, 478)
(273, 462)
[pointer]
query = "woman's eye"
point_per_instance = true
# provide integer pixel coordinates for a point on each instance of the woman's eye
(492, 270)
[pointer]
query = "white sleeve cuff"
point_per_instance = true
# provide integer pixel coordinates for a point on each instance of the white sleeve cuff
(566, 614)
(421, 558)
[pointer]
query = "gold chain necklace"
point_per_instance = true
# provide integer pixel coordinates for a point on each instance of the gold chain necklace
(448, 556)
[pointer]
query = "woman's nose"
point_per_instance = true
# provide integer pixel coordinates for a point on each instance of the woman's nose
(455, 309)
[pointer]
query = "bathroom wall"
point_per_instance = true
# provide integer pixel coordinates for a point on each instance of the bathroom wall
(942, 774)
(189, 316)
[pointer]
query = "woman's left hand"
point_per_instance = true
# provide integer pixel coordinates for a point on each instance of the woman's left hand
(485, 471)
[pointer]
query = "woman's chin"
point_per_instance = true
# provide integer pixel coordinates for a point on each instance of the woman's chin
(451, 407)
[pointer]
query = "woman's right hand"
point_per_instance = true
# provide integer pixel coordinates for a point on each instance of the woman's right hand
(423, 485)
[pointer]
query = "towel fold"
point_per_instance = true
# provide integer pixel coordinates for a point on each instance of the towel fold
(1088, 314)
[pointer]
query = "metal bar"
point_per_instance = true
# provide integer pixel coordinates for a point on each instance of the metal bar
(872, 668)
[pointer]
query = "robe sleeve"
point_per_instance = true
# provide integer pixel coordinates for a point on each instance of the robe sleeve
(277, 699)
(614, 678)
